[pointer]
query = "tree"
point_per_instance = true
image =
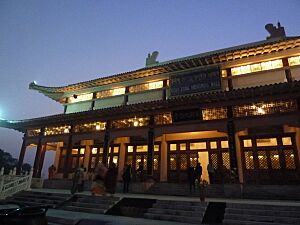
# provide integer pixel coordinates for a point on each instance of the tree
(9, 162)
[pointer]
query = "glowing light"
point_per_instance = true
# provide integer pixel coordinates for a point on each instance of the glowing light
(276, 156)
(98, 127)
(260, 111)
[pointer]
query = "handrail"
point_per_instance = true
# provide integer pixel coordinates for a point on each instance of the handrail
(11, 184)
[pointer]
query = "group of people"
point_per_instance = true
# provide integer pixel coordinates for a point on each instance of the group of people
(194, 176)
(104, 179)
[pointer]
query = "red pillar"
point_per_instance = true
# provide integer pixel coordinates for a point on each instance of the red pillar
(22, 154)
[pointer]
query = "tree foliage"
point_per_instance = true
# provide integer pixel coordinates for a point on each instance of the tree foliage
(9, 162)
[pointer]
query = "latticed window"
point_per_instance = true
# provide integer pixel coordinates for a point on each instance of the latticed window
(264, 108)
(138, 159)
(146, 86)
(131, 122)
(57, 130)
(193, 160)
(274, 157)
(289, 159)
(262, 160)
(129, 160)
(89, 127)
(183, 161)
(226, 161)
(173, 162)
(249, 163)
(214, 113)
(162, 119)
(156, 162)
(33, 132)
(214, 160)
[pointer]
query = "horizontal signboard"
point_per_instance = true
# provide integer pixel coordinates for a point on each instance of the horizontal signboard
(186, 115)
(199, 81)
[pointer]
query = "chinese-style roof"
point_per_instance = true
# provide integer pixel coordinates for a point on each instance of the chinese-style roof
(280, 91)
(203, 59)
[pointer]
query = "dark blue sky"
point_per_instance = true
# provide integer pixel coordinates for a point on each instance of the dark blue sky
(62, 42)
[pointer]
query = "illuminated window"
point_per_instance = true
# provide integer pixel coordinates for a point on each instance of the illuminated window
(247, 143)
(266, 142)
(116, 149)
(33, 132)
(224, 144)
(57, 130)
(286, 141)
(162, 119)
(82, 150)
(80, 98)
(146, 86)
(74, 151)
(293, 61)
(94, 151)
(141, 148)
(109, 93)
(275, 161)
(130, 148)
(156, 148)
(173, 147)
(213, 145)
(131, 122)
(262, 160)
(249, 163)
(224, 73)
(269, 65)
(89, 127)
(197, 145)
(182, 147)
(214, 113)
(264, 108)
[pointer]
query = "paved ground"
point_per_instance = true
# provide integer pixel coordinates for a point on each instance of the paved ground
(117, 220)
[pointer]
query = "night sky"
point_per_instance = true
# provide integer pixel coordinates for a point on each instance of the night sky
(61, 42)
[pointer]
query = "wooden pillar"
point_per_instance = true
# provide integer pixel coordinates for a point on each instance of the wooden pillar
(164, 159)
(68, 159)
(106, 143)
(22, 154)
(229, 79)
(36, 163)
(231, 138)
(42, 157)
(287, 70)
(150, 147)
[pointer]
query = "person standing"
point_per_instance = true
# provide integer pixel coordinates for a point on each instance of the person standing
(191, 178)
(51, 172)
(78, 180)
(198, 172)
(110, 180)
(211, 172)
(126, 176)
(98, 180)
(140, 171)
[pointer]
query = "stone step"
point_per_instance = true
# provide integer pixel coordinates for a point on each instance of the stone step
(59, 221)
(40, 201)
(179, 207)
(29, 203)
(52, 197)
(263, 207)
(38, 193)
(99, 200)
(263, 212)
(176, 212)
(182, 219)
(90, 205)
(239, 222)
(83, 209)
(269, 219)
(183, 203)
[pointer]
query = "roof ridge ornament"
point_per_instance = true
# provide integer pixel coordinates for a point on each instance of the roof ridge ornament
(151, 59)
(274, 31)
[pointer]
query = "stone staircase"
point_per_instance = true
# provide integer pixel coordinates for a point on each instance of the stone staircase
(254, 214)
(90, 204)
(179, 211)
(60, 221)
(178, 189)
(34, 198)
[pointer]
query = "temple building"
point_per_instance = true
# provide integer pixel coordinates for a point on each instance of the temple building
(237, 108)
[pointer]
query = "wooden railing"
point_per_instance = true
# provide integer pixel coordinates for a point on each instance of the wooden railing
(12, 183)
